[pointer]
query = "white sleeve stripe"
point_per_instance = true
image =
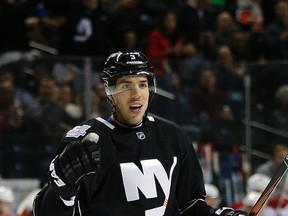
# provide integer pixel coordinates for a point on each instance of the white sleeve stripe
(79, 208)
(192, 204)
(150, 118)
(108, 124)
(73, 212)
(70, 202)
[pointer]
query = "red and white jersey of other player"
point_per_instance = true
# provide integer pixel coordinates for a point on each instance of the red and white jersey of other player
(274, 206)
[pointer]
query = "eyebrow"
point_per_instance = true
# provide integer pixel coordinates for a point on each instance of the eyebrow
(128, 81)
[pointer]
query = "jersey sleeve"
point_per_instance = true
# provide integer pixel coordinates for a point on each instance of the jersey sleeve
(190, 186)
(47, 202)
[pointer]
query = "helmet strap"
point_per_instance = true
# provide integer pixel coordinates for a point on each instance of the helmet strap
(112, 104)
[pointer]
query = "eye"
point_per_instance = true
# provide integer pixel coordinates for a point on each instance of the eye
(143, 85)
(124, 86)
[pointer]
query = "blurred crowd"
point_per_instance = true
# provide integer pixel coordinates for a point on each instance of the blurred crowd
(201, 52)
(231, 30)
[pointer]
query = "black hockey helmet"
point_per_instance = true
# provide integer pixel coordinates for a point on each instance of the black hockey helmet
(127, 63)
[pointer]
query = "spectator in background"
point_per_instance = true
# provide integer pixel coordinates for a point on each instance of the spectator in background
(225, 29)
(213, 197)
(257, 42)
(279, 117)
(67, 99)
(175, 101)
(130, 41)
(273, 206)
(219, 126)
(229, 34)
(256, 184)
(7, 198)
(206, 98)
(100, 105)
(25, 207)
(46, 120)
(156, 8)
(244, 12)
(197, 19)
(38, 116)
(12, 129)
(281, 98)
(133, 14)
(11, 112)
(229, 72)
(239, 46)
(44, 23)
(276, 205)
(226, 132)
(280, 151)
(277, 32)
(23, 97)
(86, 30)
(250, 200)
(165, 46)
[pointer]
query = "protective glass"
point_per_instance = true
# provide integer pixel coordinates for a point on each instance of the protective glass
(126, 86)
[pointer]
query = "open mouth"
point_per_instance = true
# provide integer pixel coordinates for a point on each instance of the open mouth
(135, 107)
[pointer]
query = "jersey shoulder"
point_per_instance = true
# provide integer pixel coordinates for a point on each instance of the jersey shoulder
(170, 132)
(97, 125)
(163, 123)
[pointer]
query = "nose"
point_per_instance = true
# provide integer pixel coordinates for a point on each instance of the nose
(136, 92)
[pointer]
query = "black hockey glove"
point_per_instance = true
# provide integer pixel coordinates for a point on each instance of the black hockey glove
(226, 211)
(77, 160)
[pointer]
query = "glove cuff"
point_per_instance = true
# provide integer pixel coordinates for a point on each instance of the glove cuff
(70, 202)
(64, 190)
(221, 211)
(227, 211)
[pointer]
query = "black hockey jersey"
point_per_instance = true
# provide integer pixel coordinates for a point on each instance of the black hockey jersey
(151, 170)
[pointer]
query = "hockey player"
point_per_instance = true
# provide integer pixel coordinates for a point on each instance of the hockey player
(128, 164)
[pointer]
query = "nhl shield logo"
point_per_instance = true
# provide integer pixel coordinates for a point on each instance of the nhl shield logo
(141, 135)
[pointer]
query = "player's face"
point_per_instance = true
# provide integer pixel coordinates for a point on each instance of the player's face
(132, 100)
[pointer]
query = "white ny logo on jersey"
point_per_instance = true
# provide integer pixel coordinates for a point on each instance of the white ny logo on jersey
(134, 180)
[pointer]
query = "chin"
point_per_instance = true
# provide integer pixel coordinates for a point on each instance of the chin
(136, 121)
